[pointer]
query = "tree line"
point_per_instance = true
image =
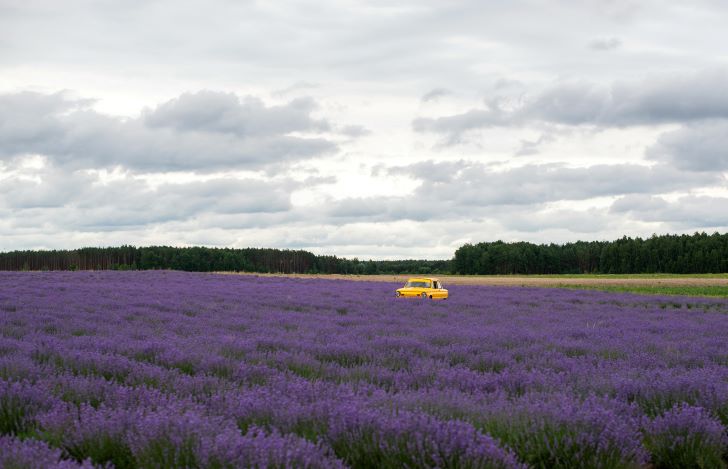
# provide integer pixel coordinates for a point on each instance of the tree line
(204, 259)
(697, 253)
(680, 254)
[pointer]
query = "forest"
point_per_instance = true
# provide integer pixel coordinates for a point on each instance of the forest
(683, 254)
(205, 259)
(677, 254)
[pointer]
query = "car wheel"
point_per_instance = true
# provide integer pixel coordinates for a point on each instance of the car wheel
(397, 294)
(424, 296)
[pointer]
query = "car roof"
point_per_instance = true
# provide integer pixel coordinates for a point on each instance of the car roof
(421, 278)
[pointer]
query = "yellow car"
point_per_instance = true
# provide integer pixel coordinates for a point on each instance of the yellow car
(422, 287)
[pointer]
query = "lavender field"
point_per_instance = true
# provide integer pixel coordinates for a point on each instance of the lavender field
(171, 369)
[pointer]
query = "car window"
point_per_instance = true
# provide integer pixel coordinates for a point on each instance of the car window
(418, 284)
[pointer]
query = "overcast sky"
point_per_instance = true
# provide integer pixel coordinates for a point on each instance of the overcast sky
(373, 129)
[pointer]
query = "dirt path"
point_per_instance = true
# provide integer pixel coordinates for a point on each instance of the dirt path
(507, 280)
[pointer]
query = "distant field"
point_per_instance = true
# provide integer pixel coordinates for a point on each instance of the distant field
(633, 276)
(682, 290)
(656, 284)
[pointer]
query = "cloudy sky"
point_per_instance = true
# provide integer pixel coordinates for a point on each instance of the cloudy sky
(374, 129)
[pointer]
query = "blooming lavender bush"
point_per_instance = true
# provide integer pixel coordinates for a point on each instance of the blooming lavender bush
(33, 454)
(686, 436)
(171, 369)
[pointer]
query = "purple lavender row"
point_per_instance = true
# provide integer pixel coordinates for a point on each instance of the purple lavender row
(341, 373)
(33, 454)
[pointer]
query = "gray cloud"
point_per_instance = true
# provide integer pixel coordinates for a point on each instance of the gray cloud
(660, 100)
(434, 94)
(354, 131)
(531, 147)
(697, 147)
(294, 88)
(690, 212)
(28, 118)
(639, 203)
(514, 201)
(178, 202)
(455, 125)
(78, 200)
(53, 190)
(211, 111)
(605, 43)
(319, 41)
(589, 221)
(383, 209)
(471, 184)
(206, 131)
(466, 189)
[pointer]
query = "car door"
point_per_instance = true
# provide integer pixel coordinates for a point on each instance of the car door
(437, 293)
